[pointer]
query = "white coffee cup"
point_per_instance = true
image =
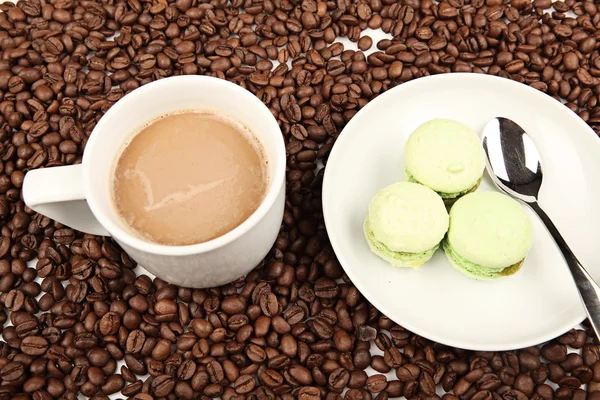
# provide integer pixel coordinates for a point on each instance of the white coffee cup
(80, 196)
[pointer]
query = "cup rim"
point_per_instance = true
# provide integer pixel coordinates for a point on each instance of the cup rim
(277, 178)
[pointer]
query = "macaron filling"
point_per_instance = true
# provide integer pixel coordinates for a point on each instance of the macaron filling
(444, 195)
(476, 270)
(396, 258)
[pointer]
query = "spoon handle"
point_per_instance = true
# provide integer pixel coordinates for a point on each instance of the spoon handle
(588, 288)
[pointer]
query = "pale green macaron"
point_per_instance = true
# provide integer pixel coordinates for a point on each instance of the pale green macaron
(446, 156)
(405, 224)
(489, 236)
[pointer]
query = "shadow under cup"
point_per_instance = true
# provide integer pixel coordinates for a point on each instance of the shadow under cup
(219, 260)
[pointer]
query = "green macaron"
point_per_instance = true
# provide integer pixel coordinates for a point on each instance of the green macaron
(489, 235)
(405, 224)
(446, 156)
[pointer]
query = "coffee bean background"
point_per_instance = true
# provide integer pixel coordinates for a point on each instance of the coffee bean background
(80, 319)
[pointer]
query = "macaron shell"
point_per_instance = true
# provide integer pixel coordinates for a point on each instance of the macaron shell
(396, 258)
(490, 229)
(408, 217)
(445, 155)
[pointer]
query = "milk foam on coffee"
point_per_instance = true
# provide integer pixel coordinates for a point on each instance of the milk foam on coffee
(189, 177)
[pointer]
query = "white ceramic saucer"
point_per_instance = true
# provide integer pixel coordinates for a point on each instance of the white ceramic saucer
(540, 302)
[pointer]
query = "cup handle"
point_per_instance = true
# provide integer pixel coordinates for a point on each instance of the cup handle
(57, 193)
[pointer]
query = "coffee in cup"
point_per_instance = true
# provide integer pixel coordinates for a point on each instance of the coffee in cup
(188, 177)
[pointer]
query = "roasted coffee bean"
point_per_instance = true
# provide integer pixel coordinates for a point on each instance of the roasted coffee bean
(555, 372)
(12, 371)
(321, 328)
(572, 361)
(83, 269)
(528, 361)
(110, 323)
(186, 370)
(201, 327)
(135, 341)
(378, 364)
(85, 340)
(233, 305)
(524, 384)
(215, 372)
(162, 385)
(113, 384)
(338, 379)
(34, 345)
(357, 379)
(300, 374)
(244, 384)
(132, 389)
(271, 378)
(365, 43)
(591, 354)
(554, 352)
(407, 373)
(326, 288)
(269, 304)
(392, 357)
(362, 358)
(377, 383)
(342, 340)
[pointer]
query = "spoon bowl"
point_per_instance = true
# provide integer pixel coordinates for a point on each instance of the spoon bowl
(513, 159)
